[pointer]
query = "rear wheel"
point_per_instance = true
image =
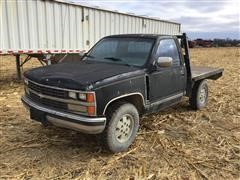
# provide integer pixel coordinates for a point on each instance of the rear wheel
(199, 97)
(123, 124)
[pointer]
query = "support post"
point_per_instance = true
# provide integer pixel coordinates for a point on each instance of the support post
(18, 67)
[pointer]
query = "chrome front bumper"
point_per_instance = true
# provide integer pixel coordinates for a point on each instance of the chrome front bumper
(90, 125)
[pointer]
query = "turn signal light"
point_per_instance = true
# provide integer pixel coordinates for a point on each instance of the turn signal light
(90, 97)
(91, 110)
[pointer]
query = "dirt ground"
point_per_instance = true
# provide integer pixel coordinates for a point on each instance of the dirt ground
(178, 143)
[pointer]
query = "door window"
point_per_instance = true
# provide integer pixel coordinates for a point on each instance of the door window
(168, 48)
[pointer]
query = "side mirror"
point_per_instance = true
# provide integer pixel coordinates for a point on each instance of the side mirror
(164, 61)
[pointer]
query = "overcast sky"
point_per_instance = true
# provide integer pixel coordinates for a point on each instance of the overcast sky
(199, 18)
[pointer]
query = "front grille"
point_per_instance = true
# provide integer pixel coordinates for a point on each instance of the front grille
(48, 102)
(47, 90)
(50, 97)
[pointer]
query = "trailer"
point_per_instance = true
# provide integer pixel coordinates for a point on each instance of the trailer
(51, 29)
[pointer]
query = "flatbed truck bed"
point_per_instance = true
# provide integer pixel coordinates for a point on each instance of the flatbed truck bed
(199, 73)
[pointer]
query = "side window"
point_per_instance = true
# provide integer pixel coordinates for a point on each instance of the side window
(168, 48)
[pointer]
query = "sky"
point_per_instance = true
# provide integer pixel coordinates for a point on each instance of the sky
(206, 19)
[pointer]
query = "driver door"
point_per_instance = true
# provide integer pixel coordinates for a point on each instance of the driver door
(167, 83)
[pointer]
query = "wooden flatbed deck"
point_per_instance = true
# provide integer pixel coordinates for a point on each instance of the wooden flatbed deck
(199, 73)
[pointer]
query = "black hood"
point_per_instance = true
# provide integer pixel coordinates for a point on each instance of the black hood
(76, 75)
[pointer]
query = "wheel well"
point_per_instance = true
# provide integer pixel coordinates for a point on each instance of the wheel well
(136, 100)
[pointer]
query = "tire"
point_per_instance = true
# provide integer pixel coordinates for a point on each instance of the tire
(199, 97)
(122, 126)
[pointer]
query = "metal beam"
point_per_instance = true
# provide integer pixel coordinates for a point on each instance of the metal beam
(18, 67)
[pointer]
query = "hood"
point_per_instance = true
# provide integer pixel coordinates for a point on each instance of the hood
(76, 75)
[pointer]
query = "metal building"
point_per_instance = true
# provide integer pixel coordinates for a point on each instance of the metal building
(44, 26)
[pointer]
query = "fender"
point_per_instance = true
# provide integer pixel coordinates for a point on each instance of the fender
(122, 96)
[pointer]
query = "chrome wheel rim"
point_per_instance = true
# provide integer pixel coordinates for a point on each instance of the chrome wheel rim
(124, 128)
(203, 95)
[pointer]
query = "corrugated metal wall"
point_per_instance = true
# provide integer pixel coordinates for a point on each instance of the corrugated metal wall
(53, 26)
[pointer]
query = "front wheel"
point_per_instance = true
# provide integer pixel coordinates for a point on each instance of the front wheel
(123, 124)
(199, 97)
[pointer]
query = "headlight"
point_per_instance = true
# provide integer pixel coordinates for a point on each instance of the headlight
(86, 103)
(72, 95)
(88, 97)
(82, 96)
(78, 108)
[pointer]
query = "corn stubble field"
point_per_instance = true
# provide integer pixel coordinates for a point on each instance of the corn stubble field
(178, 143)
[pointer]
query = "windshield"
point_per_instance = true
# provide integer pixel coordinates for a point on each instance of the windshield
(128, 51)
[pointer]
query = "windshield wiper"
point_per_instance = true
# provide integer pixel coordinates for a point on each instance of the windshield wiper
(113, 58)
(118, 59)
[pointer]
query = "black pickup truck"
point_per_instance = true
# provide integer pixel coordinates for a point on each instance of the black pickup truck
(121, 78)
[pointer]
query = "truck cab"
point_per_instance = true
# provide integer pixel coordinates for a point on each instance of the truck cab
(121, 78)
